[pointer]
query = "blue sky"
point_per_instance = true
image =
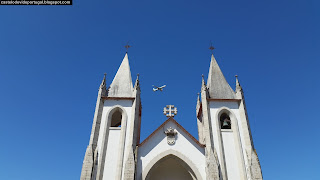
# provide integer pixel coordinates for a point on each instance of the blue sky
(52, 60)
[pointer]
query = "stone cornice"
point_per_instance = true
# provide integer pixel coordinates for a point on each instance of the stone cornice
(212, 99)
(117, 98)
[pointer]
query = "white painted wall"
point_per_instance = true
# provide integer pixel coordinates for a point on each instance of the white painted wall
(233, 106)
(230, 155)
(126, 105)
(112, 154)
(157, 145)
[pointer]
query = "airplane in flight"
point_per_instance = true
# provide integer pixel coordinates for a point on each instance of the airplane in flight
(156, 88)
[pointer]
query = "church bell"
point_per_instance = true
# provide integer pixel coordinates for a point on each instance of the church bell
(226, 124)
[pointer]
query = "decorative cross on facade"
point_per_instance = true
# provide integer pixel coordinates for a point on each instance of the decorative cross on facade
(170, 111)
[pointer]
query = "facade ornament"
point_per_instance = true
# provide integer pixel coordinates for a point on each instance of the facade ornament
(170, 111)
(171, 135)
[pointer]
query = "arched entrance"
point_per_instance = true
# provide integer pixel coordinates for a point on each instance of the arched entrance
(171, 167)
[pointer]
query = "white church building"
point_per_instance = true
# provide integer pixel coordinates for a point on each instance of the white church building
(224, 150)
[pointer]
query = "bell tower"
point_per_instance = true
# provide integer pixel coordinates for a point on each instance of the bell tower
(115, 130)
(223, 126)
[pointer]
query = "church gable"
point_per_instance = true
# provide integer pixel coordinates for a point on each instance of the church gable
(175, 124)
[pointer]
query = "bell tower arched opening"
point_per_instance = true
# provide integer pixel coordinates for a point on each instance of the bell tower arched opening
(116, 119)
(171, 167)
(225, 122)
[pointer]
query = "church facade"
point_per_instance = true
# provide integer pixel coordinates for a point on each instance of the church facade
(224, 150)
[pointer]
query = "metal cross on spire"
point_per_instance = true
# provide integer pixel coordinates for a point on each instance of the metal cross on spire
(127, 46)
(211, 48)
(170, 111)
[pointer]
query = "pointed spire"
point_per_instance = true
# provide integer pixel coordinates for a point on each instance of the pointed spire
(217, 84)
(103, 83)
(136, 85)
(238, 86)
(121, 85)
(203, 83)
(102, 88)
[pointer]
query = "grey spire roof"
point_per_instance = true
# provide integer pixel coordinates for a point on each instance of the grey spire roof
(121, 85)
(217, 85)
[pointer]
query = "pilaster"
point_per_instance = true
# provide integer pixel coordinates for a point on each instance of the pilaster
(133, 134)
(88, 162)
(253, 167)
(87, 165)
(212, 163)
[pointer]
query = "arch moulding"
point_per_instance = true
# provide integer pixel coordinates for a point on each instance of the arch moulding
(169, 152)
